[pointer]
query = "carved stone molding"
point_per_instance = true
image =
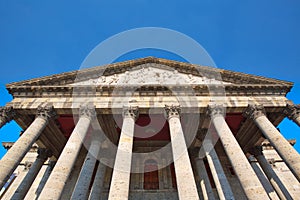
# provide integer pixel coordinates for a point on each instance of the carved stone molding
(132, 111)
(172, 111)
(88, 111)
(107, 90)
(7, 113)
(46, 112)
(292, 111)
(254, 111)
(155, 74)
(215, 110)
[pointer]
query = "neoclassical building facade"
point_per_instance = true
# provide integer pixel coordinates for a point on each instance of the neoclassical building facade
(150, 128)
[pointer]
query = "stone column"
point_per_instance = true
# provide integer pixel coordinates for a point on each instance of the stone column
(81, 189)
(205, 185)
(23, 188)
(119, 187)
(262, 177)
(14, 156)
(96, 191)
(222, 185)
(290, 156)
(293, 112)
(6, 115)
(185, 180)
(278, 186)
(40, 181)
(247, 177)
(60, 174)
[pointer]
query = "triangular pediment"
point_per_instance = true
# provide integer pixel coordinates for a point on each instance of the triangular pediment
(149, 74)
(150, 70)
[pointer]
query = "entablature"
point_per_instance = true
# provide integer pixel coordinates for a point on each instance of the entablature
(196, 104)
(150, 90)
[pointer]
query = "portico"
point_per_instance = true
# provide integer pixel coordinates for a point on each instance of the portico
(153, 125)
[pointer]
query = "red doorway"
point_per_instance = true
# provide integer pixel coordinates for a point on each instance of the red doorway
(151, 181)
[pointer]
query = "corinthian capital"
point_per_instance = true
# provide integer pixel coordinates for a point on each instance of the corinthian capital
(87, 111)
(215, 110)
(7, 113)
(46, 112)
(132, 112)
(254, 111)
(172, 111)
(292, 111)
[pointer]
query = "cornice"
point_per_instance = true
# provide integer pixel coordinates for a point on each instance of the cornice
(152, 90)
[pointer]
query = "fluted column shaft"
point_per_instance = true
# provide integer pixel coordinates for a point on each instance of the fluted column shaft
(185, 180)
(247, 177)
(14, 156)
(60, 174)
(293, 113)
(96, 190)
(271, 175)
(23, 188)
(6, 115)
(204, 180)
(222, 185)
(82, 185)
(290, 156)
(119, 187)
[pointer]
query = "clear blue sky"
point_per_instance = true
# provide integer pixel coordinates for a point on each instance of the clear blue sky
(40, 38)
